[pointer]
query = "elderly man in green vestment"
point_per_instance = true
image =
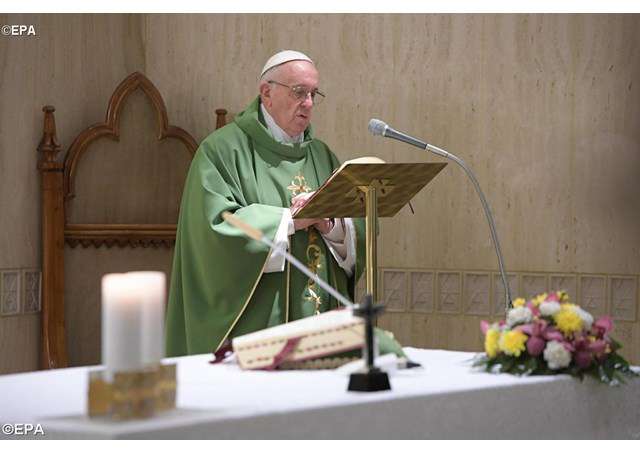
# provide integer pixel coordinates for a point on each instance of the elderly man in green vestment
(259, 166)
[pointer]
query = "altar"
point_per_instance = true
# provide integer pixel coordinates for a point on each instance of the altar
(444, 399)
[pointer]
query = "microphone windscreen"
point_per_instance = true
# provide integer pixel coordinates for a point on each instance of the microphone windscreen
(377, 127)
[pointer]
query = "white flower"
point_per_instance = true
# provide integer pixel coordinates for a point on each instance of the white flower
(556, 355)
(549, 308)
(586, 317)
(519, 315)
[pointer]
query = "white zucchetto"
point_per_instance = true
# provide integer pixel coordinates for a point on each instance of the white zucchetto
(284, 56)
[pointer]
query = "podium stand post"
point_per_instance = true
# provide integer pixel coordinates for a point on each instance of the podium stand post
(371, 221)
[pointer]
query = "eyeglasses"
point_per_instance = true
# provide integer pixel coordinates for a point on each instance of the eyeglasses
(300, 92)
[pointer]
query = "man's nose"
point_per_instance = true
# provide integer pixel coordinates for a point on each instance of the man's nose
(308, 101)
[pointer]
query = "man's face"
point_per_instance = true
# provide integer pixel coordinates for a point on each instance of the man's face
(291, 114)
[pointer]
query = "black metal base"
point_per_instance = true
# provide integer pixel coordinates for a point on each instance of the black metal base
(373, 381)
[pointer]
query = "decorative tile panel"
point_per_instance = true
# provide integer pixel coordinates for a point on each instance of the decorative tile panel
(422, 291)
(31, 298)
(394, 287)
(477, 292)
(449, 292)
(568, 283)
(10, 292)
(623, 293)
(533, 284)
(593, 294)
(499, 304)
(623, 333)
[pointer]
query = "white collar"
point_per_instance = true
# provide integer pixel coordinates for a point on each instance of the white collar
(277, 132)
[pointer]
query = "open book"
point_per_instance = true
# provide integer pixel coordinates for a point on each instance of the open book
(314, 337)
(336, 172)
(343, 193)
(359, 160)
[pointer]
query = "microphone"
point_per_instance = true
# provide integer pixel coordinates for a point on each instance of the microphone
(379, 127)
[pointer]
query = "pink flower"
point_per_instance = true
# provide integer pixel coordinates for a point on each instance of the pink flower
(568, 346)
(582, 359)
(553, 297)
(535, 311)
(599, 349)
(586, 349)
(539, 333)
(602, 326)
(535, 346)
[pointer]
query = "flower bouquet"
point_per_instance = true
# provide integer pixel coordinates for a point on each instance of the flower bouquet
(549, 335)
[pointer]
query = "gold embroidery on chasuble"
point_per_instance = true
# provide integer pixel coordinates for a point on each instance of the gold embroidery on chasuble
(298, 185)
(314, 252)
(314, 257)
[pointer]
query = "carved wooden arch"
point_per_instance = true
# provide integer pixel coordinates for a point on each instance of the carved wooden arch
(110, 128)
(58, 189)
(133, 235)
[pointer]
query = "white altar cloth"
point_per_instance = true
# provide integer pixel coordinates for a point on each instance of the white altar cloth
(445, 399)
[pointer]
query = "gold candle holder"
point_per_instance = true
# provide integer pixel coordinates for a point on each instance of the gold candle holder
(133, 394)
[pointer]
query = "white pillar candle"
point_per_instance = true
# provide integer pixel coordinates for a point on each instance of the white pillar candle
(132, 320)
(150, 290)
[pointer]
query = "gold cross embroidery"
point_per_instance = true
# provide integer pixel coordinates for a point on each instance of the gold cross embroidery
(300, 187)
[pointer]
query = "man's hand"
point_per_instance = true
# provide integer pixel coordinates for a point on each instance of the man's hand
(303, 224)
(299, 200)
(322, 225)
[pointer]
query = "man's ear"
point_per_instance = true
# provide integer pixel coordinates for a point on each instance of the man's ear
(265, 93)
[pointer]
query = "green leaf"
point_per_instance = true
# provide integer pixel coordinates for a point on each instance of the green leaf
(507, 365)
(615, 344)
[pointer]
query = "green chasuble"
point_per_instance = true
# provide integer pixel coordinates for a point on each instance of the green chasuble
(218, 287)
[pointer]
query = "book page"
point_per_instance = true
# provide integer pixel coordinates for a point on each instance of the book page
(333, 318)
(356, 161)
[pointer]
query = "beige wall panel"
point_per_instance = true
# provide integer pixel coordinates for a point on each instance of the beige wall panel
(629, 335)
(607, 161)
(434, 331)
(84, 271)
(19, 343)
(74, 63)
(203, 62)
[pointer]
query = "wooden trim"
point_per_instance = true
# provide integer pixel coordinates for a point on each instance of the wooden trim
(110, 128)
(221, 118)
(122, 235)
(53, 353)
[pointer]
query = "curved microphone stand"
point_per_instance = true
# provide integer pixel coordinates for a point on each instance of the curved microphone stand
(378, 127)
